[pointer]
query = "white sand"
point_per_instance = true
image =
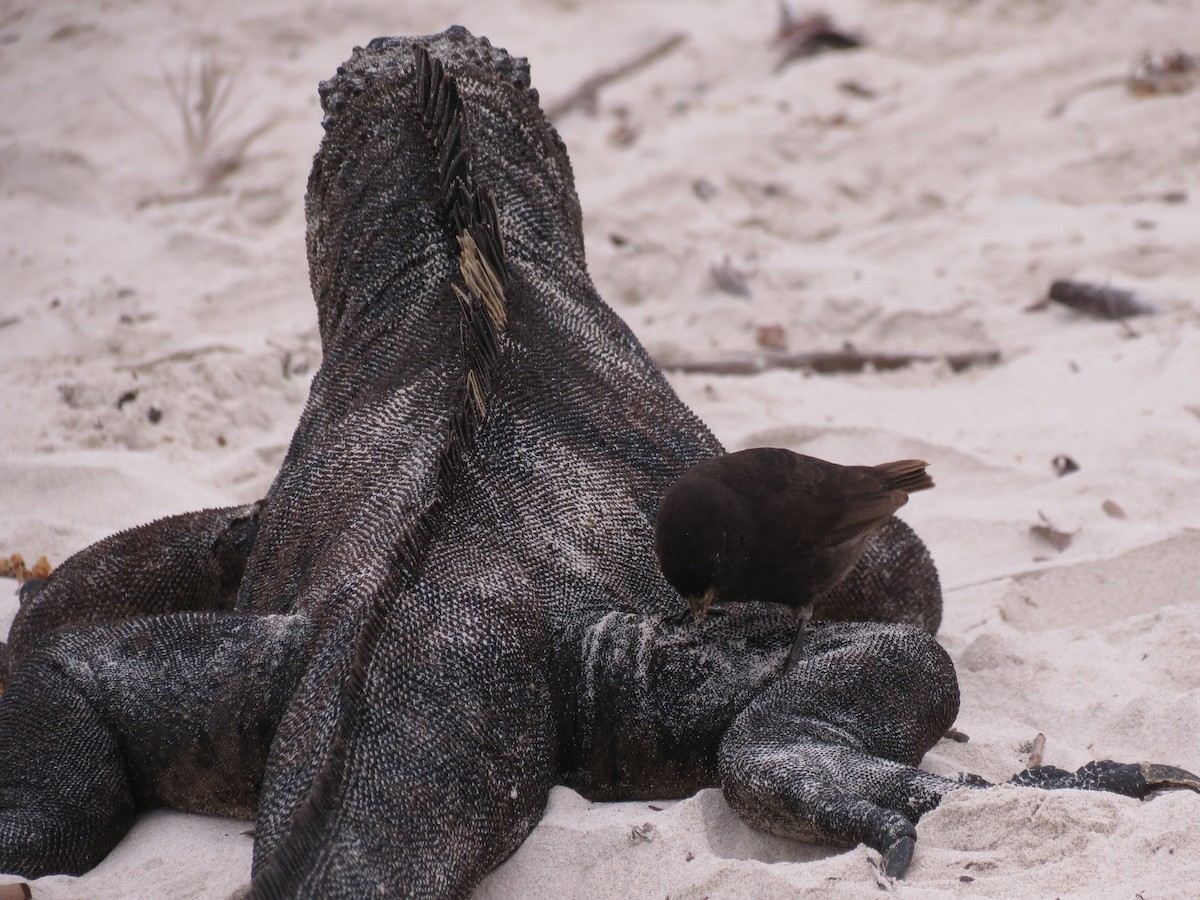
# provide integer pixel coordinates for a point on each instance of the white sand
(923, 220)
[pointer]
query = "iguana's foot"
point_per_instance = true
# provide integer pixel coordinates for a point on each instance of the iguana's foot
(1128, 779)
(897, 857)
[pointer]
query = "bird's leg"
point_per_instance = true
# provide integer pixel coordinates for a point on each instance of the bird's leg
(803, 614)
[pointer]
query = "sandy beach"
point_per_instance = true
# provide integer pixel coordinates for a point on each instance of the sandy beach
(915, 195)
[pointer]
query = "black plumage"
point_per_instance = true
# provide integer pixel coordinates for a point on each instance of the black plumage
(769, 524)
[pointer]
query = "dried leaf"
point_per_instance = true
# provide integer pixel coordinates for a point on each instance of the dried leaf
(14, 567)
(771, 337)
(807, 36)
(1056, 537)
(644, 832)
(1037, 748)
(959, 737)
(1099, 300)
(1113, 509)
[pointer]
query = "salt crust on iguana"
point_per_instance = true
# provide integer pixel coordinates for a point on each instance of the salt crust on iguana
(448, 601)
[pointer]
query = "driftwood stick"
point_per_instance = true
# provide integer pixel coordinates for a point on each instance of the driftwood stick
(177, 356)
(1074, 94)
(585, 94)
(825, 363)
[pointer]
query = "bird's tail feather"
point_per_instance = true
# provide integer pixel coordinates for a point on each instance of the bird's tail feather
(904, 475)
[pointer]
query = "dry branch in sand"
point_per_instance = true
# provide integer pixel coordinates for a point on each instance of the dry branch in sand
(826, 363)
(1151, 74)
(584, 96)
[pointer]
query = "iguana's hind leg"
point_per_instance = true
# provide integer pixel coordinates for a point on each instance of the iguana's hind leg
(811, 790)
(96, 722)
(829, 753)
(187, 562)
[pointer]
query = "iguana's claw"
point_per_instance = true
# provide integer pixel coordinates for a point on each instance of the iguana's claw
(1159, 777)
(897, 857)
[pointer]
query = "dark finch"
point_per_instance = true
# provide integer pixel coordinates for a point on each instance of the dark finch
(770, 524)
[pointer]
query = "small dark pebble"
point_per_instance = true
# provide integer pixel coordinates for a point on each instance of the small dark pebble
(154, 414)
(704, 189)
(127, 397)
(726, 277)
(965, 879)
(1064, 465)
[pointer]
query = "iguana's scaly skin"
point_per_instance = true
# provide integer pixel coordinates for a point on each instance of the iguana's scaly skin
(448, 602)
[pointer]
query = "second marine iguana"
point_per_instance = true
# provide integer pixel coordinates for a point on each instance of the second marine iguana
(448, 601)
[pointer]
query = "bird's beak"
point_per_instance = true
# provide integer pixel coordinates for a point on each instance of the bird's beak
(700, 603)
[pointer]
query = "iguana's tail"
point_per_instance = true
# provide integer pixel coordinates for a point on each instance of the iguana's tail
(467, 208)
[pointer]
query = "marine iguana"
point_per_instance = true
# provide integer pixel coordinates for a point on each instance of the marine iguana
(448, 600)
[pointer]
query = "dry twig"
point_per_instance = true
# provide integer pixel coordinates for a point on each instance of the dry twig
(584, 96)
(1150, 75)
(810, 35)
(826, 363)
(177, 356)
